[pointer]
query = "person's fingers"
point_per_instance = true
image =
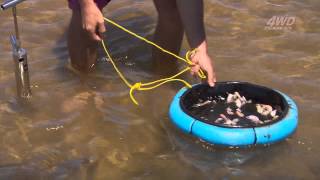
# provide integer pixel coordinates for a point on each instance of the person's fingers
(96, 37)
(194, 60)
(91, 32)
(195, 69)
(211, 77)
(101, 29)
(192, 64)
(94, 34)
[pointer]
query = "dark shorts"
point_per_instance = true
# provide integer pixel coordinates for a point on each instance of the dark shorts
(74, 4)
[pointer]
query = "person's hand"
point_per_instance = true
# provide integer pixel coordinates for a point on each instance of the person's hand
(201, 60)
(92, 20)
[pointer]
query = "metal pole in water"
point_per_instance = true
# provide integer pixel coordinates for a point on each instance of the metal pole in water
(20, 61)
(10, 3)
(16, 29)
(21, 69)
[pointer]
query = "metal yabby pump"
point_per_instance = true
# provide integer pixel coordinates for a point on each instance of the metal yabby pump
(19, 54)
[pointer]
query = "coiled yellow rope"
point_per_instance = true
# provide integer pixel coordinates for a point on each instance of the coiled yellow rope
(153, 84)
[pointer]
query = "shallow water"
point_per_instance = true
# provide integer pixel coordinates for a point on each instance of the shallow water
(76, 128)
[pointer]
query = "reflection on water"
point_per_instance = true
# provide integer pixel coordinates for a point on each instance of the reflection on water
(87, 128)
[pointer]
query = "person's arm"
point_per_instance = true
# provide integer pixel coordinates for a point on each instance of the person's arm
(191, 13)
(92, 19)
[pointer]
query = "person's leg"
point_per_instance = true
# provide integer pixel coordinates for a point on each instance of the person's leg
(168, 34)
(82, 48)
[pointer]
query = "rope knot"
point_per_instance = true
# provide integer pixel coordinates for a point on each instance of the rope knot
(134, 87)
(137, 85)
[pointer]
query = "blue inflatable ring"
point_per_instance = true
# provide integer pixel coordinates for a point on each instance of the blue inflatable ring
(229, 136)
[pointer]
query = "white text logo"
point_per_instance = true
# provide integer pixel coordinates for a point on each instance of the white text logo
(280, 23)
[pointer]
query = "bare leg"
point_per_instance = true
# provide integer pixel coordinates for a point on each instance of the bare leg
(168, 34)
(82, 49)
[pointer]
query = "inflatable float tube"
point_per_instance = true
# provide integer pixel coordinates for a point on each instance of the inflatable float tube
(267, 133)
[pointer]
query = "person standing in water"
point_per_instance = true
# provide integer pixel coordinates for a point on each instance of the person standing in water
(174, 17)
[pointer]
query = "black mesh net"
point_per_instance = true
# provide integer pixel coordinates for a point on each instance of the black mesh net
(234, 104)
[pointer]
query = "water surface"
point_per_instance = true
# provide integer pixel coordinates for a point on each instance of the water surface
(87, 128)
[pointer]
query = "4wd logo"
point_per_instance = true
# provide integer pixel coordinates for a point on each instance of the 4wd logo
(280, 23)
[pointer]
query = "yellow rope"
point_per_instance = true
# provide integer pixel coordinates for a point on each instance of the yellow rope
(153, 84)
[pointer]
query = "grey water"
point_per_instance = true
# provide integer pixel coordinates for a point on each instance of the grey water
(78, 127)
